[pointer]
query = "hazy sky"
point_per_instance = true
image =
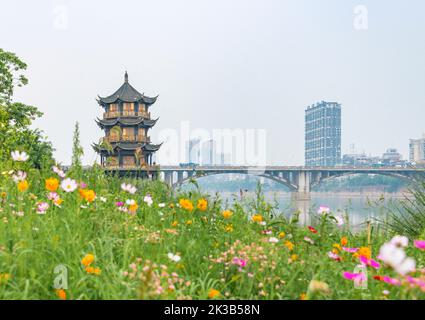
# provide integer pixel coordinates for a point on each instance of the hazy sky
(225, 64)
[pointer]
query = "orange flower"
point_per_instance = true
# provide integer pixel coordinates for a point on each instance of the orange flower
(257, 218)
(344, 241)
(289, 245)
(88, 195)
(227, 214)
(87, 260)
(186, 204)
(202, 204)
(23, 185)
(303, 296)
(213, 293)
(363, 252)
(52, 184)
(90, 269)
(61, 294)
(97, 271)
(174, 224)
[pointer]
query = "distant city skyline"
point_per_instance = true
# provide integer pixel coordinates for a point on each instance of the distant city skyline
(226, 64)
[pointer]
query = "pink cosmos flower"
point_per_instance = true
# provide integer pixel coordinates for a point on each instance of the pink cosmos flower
(334, 256)
(323, 210)
(354, 276)
(420, 244)
(119, 204)
(351, 250)
(369, 262)
(42, 207)
(239, 262)
(309, 240)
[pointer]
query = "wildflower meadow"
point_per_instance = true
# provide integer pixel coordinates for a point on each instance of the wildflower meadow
(83, 234)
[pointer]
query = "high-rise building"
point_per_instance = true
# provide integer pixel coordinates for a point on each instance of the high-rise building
(194, 150)
(323, 134)
(208, 153)
(417, 150)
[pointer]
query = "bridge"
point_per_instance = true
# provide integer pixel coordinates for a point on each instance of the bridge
(298, 179)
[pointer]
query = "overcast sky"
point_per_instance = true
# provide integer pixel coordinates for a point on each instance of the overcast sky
(226, 64)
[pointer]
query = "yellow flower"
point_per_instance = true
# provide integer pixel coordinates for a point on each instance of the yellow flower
(3, 194)
(227, 214)
(202, 204)
(61, 294)
(282, 235)
(344, 241)
(188, 222)
(87, 260)
(294, 257)
(303, 296)
(90, 269)
(23, 185)
(58, 201)
(257, 218)
(337, 246)
(336, 251)
(4, 277)
(363, 251)
(289, 245)
(52, 184)
(97, 271)
(213, 293)
(174, 224)
(186, 204)
(229, 228)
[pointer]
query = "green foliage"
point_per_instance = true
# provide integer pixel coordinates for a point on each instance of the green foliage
(408, 216)
(16, 118)
(77, 150)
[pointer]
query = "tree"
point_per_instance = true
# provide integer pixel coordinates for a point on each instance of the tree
(16, 117)
(77, 149)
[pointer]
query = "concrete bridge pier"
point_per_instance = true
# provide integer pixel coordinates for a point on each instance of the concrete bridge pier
(304, 184)
(168, 178)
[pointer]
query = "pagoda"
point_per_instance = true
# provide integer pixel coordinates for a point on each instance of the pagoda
(126, 121)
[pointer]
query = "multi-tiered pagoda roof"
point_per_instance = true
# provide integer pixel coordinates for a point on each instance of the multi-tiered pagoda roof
(126, 122)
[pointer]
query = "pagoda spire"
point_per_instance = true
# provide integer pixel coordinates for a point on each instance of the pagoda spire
(126, 77)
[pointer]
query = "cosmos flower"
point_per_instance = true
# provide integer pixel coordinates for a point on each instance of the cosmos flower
(273, 240)
(369, 262)
(239, 262)
(360, 277)
(395, 257)
(227, 214)
(420, 244)
(19, 156)
(334, 256)
(257, 218)
(42, 207)
(19, 176)
(323, 210)
(52, 184)
(58, 171)
(128, 188)
(213, 293)
(351, 250)
(202, 204)
(309, 240)
(400, 241)
(69, 185)
(339, 221)
(173, 257)
(23, 185)
(148, 200)
(186, 204)
(312, 229)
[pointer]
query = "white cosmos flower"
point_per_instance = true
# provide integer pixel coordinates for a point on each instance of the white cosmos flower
(69, 185)
(273, 240)
(339, 221)
(400, 241)
(128, 188)
(19, 156)
(395, 257)
(174, 257)
(19, 176)
(148, 200)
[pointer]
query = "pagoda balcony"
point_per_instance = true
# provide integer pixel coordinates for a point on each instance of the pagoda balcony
(117, 114)
(129, 138)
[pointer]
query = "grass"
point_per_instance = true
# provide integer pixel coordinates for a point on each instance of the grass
(132, 250)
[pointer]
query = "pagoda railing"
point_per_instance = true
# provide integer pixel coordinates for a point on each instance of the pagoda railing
(117, 114)
(129, 138)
